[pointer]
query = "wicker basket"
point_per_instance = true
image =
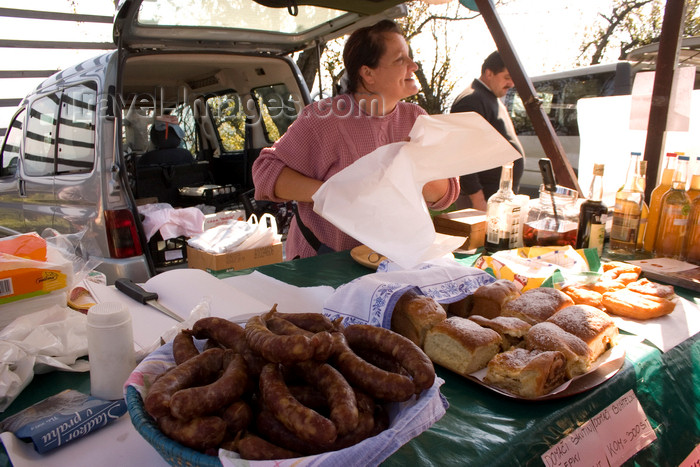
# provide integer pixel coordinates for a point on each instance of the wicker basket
(173, 452)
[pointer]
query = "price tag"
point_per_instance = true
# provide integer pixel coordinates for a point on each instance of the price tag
(693, 459)
(609, 438)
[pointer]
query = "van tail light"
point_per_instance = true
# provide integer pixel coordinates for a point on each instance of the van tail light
(122, 235)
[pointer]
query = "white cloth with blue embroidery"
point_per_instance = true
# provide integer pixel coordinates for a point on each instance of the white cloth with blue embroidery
(371, 299)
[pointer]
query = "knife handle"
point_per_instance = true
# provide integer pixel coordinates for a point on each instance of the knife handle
(135, 291)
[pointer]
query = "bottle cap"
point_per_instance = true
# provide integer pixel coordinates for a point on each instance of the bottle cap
(683, 158)
(108, 314)
(598, 169)
(671, 154)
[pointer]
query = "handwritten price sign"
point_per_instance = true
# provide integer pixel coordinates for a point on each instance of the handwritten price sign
(609, 438)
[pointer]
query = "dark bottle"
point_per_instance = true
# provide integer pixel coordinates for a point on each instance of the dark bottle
(593, 215)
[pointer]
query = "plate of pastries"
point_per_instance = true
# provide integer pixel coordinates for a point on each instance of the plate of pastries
(539, 344)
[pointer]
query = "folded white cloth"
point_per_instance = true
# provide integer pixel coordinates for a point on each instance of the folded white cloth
(371, 299)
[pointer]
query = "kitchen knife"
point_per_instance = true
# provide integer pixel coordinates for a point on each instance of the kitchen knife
(133, 290)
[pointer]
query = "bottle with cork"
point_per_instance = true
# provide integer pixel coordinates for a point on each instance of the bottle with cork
(655, 200)
(674, 213)
(593, 214)
(627, 213)
(503, 215)
(642, 185)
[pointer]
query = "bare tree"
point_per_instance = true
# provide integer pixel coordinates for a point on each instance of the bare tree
(425, 24)
(631, 24)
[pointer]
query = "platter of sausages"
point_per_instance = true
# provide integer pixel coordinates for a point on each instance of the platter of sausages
(285, 386)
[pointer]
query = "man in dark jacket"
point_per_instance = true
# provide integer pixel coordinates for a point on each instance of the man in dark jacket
(484, 97)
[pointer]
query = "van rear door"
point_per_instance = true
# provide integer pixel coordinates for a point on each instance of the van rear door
(262, 26)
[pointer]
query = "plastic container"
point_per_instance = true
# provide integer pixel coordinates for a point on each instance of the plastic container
(110, 349)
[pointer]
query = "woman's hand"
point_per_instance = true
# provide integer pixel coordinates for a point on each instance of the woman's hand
(435, 190)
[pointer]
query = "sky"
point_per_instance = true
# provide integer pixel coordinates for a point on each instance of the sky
(545, 34)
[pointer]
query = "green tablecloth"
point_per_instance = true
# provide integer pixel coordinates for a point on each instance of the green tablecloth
(484, 428)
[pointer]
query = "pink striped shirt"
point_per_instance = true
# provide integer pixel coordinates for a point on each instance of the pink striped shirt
(328, 136)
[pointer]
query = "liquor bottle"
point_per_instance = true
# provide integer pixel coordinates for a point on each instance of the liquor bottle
(642, 185)
(655, 200)
(694, 189)
(503, 215)
(628, 211)
(692, 244)
(675, 210)
(593, 215)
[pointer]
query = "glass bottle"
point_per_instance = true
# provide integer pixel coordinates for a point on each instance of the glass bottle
(655, 200)
(628, 211)
(675, 210)
(694, 189)
(593, 214)
(692, 244)
(503, 215)
(642, 185)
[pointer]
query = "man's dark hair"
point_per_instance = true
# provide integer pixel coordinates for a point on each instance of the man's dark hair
(365, 47)
(493, 62)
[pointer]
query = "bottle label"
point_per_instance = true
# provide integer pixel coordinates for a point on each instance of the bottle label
(505, 225)
(597, 237)
(680, 221)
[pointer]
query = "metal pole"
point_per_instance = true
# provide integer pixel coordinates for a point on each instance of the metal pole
(543, 127)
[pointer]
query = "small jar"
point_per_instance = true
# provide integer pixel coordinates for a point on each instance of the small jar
(553, 219)
(110, 349)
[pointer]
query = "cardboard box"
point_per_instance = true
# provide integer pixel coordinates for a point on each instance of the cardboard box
(468, 223)
(226, 262)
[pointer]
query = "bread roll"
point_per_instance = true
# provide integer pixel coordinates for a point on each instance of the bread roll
(631, 304)
(527, 373)
(549, 336)
(414, 315)
(591, 325)
(512, 330)
(488, 299)
(461, 345)
(536, 305)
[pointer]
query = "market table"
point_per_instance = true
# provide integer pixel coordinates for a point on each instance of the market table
(485, 428)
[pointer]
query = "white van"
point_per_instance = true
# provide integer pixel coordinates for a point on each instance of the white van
(219, 72)
(560, 92)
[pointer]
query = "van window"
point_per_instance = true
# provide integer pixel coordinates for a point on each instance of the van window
(76, 132)
(186, 121)
(559, 98)
(278, 108)
(11, 150)
(229, 120)
(40, 146)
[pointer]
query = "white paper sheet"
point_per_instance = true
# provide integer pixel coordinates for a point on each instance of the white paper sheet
(180, 290)
(117, 444)
(289, 298)
(378, 200)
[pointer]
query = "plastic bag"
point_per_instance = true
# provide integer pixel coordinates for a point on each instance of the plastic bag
(238, 235)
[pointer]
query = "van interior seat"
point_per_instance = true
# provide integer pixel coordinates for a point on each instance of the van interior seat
(166, 138)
